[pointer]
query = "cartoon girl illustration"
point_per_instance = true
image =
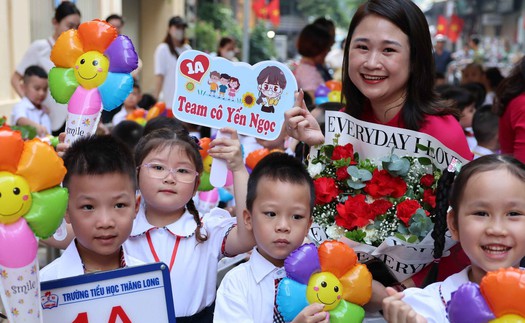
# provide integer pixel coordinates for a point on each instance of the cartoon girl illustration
(271, 82)
(233, 87)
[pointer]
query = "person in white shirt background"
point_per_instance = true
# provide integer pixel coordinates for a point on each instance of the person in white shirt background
(67, 16)
(279, 206)
(30, 111)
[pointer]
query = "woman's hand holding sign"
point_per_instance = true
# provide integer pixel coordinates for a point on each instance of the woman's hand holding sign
(300, 124)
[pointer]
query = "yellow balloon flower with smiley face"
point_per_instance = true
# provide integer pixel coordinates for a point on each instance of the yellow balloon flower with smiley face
(329, 275)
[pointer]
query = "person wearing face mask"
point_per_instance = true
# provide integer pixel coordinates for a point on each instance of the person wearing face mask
(227, 49)
(166, 56)
(67, 16)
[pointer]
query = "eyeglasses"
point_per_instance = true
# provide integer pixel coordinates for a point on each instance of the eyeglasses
(183, 175)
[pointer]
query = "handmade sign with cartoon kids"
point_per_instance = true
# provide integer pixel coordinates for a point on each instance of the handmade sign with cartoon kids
(217, 93)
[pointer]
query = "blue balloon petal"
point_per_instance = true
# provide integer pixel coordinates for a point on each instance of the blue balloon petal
(467, 304)
(224, 195)
(302, 263)
(115, 90)
(320, 100)
(291, 298)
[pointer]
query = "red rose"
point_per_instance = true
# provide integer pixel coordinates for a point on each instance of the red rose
(383, 184)
(427, 180)
(429, 197)
(340, 152)
(355, 212)
(342, 173)
(325, 190)
(380, 207)
(406, 209)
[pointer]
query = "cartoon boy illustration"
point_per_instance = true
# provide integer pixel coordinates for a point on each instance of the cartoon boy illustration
(214, 82)
(271, 82)
(233, 87)
(225, 78)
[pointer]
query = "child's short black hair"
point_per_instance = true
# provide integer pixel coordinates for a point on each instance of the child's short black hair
(485, 124)
(461, 97)
(282, 167)
(99, 155)
(129, 132)
(34, 70)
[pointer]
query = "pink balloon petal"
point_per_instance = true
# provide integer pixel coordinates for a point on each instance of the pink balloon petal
(18, 245)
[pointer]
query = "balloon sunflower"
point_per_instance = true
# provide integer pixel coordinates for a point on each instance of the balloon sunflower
(31, 200)
(500, 298)
(329, 275)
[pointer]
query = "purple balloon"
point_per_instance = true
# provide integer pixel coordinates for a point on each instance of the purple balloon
(302, 263)
(322, 90)
(122, 55)
(468, 305)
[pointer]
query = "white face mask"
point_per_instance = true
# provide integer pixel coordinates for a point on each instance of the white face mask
(178, 34)
(229, 54)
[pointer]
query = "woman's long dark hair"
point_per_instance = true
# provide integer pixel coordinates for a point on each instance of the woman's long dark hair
(511, 86)
(421, 98)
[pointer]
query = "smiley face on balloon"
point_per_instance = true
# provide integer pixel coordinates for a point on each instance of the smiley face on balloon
(324, 288)
(91, 69)
(15, 197)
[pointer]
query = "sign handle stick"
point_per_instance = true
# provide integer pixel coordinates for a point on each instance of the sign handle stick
(219, 169)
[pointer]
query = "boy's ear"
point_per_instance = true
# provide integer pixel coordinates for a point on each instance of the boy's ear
(137, 204)
(66, 216)
(247, 216)
(452, 225)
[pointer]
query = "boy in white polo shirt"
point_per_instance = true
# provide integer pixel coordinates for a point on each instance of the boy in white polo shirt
(279, 203)
(30, 111)
(101, 179)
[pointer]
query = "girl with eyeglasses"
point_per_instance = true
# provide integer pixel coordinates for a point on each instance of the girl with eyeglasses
(168, 227)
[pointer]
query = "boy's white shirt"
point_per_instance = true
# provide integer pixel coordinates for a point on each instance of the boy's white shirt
(247, 292)
(194, 272)
(69, 264)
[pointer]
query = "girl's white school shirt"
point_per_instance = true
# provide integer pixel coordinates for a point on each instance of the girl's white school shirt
(69, 264)
(430, 301)
(194, 270)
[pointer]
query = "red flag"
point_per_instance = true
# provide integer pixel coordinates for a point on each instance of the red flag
(455, 28)
(274, 12)
(441, 28)
(259, 8)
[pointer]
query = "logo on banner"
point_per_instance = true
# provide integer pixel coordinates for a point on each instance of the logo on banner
(49, 300)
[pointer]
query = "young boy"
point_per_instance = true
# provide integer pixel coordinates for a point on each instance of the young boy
(30, 111)
(129, 105)
(485, 125)
(101, 179)
(279, 203)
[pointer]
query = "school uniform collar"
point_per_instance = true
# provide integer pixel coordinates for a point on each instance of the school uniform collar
(183, 227)
(29, 104)
(262, 267)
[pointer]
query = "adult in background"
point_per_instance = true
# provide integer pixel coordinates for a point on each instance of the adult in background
(227, 48)
(442, 57)
(388, 80)
(67, 16)
(509, 104)
(166, 56)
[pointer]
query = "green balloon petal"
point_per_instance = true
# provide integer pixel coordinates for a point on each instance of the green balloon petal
(347, 312)
(205, 184)
(62, 84)
(47, 211)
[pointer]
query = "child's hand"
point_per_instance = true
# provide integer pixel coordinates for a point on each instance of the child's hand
(397, 311)
(41, 131)
(312, 313)
(228, 149)
(61, 147)
(300, 124)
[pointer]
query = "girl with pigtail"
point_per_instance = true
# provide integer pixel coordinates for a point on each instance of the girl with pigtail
(487, 217)
(168, 227)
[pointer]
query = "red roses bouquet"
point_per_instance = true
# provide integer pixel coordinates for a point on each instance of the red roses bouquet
(369, 201)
